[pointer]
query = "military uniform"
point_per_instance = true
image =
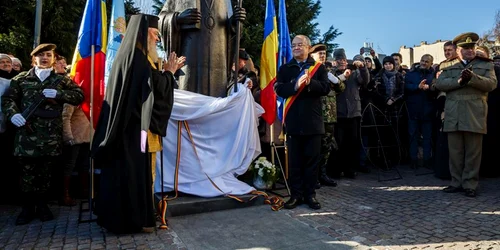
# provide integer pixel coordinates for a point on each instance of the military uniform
(38, 142)
(465, 114)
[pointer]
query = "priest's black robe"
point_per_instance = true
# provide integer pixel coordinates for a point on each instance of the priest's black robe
(138, 95)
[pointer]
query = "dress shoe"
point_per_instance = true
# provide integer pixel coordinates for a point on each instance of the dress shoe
(318, 185)
(26, 215)
(470, 192)
(313, 203)
(293, 203)
(327, 181)
(452, 189)
(43, 212)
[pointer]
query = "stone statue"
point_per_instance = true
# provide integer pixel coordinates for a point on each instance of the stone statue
(204, 32)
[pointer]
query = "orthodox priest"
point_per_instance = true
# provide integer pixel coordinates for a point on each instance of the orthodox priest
(135, 112)
(202, 30)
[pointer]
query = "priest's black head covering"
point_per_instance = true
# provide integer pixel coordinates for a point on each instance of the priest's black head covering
(128, 81)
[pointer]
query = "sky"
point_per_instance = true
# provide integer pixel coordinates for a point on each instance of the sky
(389, 24)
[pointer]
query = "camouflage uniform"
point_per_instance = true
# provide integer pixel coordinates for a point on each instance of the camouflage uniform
(329, 106)
(38, 142)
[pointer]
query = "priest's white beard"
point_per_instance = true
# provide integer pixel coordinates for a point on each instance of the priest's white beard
(152, 51)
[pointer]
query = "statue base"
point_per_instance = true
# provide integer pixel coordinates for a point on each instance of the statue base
(187, 204)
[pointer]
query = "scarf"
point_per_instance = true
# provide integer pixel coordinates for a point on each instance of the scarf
(389, 78)
(42, 73)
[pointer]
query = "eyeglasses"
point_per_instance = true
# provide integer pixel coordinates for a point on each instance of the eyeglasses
(300, 45)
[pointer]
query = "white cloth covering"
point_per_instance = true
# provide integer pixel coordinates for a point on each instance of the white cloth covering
(225, 135)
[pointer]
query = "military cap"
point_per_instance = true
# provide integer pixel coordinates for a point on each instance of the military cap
(466, 39)
(42, 48)
(339, 54)
(243, 55)
(318, 47)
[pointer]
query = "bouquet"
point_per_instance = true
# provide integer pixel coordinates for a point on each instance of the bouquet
(264, 170)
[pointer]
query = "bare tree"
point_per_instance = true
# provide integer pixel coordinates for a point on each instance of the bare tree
(491, 38)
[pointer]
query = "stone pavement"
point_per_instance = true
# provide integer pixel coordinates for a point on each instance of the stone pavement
(411, 213)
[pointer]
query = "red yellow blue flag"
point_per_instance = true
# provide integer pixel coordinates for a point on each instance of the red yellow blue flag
(268, 64)
(93, 33)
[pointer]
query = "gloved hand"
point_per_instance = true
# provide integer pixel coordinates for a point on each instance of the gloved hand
(333, 78)
(18, 120)
(466, 76)
(49, 93)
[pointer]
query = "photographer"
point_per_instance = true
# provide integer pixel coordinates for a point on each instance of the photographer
(349, 112)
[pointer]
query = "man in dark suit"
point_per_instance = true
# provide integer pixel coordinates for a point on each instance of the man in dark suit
(302, 81)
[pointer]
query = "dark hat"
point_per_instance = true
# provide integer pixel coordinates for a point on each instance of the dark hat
(152, 20)
(339, 54)
(496, 57)
(389, 59)
(243, 55)
(317, 47)
(358, 58)
(466, 39)
(42, 48)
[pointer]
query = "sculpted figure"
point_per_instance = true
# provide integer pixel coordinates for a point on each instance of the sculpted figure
(203, 31)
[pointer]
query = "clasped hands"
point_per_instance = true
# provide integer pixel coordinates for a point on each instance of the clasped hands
(423, 85)
(465, 77)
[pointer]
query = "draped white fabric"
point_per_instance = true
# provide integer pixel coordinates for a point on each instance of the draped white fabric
(226, 139)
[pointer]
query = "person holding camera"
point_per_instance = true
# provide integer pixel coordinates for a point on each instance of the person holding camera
(354, 76)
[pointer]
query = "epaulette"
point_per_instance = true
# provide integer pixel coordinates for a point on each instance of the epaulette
(483, 59)
(21, 75)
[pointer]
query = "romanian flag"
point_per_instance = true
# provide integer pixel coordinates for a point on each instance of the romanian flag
(268, 64)
(92, 34)
(284, 50)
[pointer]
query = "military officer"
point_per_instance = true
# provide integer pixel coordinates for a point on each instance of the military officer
(466, 81)
(329, 108)
(38, 139)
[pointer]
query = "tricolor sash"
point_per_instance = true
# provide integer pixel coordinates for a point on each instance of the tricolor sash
(288, 102)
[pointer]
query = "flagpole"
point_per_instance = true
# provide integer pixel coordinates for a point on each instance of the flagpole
(91, 175)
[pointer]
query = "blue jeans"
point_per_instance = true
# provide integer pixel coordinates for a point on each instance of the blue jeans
(415, 129)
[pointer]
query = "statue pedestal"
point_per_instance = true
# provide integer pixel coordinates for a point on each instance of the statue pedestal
(188, 204)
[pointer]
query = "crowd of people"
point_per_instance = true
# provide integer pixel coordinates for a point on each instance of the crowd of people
(344, 117)
(352, 116)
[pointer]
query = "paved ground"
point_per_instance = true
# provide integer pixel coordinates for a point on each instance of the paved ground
(411, 213)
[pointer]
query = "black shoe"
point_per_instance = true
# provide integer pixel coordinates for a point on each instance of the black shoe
(313, 203)
(452, 189)
(293, 203)
(26, 215)
(470, 192)
(44, 213)
(318, 185)
(327, 181)
(414, 164)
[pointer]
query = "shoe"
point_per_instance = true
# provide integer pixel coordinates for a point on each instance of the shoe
(313, 203)
(293, 203)
(452, 189)
(470, 192)
(318, 185)
(26, 215)
(43, 212)
(66, 199)
(327, 181)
